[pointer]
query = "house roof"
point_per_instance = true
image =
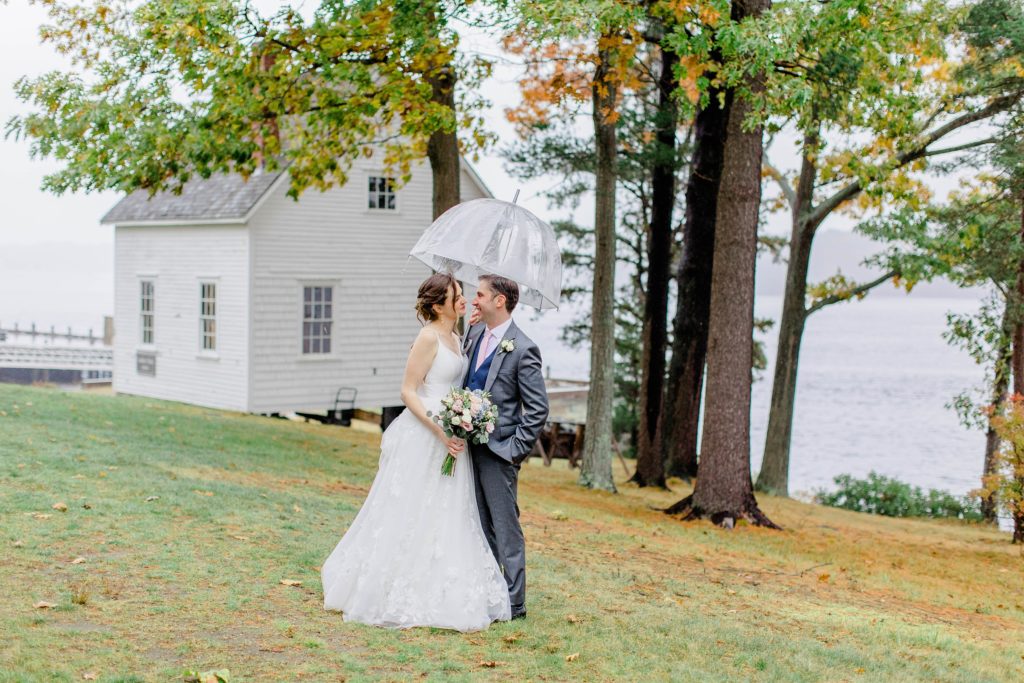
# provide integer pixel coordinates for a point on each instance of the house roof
(220, 198)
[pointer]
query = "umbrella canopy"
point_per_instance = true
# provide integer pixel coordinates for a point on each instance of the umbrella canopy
(490, 236)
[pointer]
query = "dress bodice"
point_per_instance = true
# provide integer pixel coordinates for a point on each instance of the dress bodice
(445, 372)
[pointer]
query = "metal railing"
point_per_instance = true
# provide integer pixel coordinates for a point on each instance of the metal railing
(34, 335)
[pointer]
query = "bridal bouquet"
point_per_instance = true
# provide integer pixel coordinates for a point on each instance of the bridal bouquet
(469, 415)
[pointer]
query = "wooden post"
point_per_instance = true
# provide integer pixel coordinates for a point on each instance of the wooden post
(577, 446)
(556, 430)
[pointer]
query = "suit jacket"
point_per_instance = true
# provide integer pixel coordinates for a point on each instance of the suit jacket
(516, 385)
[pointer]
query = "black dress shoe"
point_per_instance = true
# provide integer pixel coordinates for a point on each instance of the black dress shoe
(519, 615)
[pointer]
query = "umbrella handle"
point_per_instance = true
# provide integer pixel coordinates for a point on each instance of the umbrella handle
(516, 197)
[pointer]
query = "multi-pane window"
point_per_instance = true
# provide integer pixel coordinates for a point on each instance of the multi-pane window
(146, 301)
(382, 192)
(208, 316)
(317, 312)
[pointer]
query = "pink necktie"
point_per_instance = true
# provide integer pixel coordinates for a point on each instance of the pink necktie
(484, 345)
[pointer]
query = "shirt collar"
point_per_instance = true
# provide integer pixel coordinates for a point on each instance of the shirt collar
(500, 330)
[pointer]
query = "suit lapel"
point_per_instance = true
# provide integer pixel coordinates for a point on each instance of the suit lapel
(499, 356)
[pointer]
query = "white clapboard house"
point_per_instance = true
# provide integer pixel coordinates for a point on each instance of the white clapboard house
(233, 295)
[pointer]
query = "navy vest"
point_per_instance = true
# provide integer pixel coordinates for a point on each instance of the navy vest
(478, 378)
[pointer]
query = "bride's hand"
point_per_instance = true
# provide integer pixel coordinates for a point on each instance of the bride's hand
(454, 444)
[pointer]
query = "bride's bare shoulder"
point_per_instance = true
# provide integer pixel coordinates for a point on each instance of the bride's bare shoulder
(425, 339)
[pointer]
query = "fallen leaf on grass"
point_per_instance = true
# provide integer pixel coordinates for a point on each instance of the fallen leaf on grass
(573, 619)
(296, 508)
(512, 637)
(290, 582)
(42, 604)
(573, 657)
(41, 515)
(823, 577)
(87, 506)
(219, 676)
(152, 498)
(240, 538)
(18, 544)
(272, 648)
(88, 676)
(490, 664)
(202, 493)
(78, 560)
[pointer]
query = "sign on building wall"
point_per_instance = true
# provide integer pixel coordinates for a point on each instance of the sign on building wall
(145, 363)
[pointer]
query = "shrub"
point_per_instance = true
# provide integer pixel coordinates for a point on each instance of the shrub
(1005, 485)
(880, 495)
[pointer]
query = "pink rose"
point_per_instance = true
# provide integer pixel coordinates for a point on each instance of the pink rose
(457, 407)
(467, 425)
(490, 427)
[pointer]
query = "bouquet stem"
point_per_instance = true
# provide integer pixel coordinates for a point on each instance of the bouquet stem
(448, 466)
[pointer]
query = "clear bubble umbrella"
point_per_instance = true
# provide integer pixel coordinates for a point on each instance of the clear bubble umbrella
(490, 236)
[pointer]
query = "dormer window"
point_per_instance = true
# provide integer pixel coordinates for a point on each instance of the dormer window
(382, 193)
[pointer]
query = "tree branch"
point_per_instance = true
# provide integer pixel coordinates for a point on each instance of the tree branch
(961, 148)
(856, 291)
(777, 175)
(921, 150)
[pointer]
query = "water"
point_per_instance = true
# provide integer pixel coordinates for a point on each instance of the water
(875, 377)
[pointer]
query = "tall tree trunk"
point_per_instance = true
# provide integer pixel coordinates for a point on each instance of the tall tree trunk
(1017, 368)
(443, 146)
(650, 466)
(680, 411)
(724, 491)
(774, 476)
(1000, 384)
(596, 468)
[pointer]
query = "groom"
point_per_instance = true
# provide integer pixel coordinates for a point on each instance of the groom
(506, 363)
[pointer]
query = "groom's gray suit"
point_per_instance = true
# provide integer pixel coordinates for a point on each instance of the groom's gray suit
(516, 383)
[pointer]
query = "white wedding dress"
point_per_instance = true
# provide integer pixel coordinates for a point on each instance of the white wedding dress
(415, 555)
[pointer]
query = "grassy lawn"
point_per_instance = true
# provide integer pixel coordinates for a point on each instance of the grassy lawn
(182, 523)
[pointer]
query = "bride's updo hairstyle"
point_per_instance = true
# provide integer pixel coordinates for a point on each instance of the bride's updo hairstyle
(434, 290)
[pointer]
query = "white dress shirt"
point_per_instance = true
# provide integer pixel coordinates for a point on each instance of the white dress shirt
(495, 335)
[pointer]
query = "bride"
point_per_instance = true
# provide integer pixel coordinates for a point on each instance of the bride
(416, 554)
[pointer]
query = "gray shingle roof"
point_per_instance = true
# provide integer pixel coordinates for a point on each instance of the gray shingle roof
(219, 197)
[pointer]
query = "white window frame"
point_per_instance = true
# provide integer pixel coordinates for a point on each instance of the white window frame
(208, 316)
(147, 314)
(389, 191)
(317, 312)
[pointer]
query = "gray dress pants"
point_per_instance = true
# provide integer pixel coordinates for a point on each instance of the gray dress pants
(496, 496)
